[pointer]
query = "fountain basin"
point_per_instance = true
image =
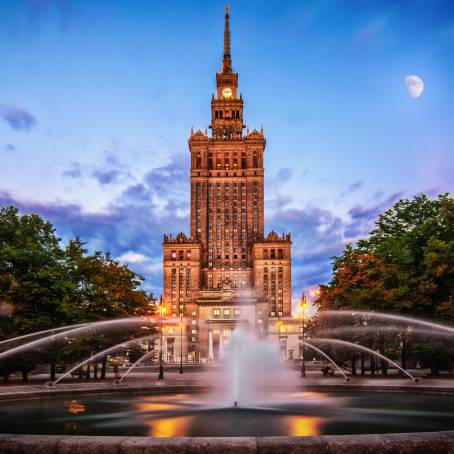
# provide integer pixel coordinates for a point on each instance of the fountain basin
(289, 414)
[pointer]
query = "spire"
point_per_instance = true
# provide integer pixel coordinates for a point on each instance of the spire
(227, 62)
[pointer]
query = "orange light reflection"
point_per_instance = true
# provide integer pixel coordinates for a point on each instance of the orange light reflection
(170, 427)
(302, 426)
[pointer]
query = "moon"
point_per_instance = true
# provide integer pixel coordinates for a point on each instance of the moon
(415, 86)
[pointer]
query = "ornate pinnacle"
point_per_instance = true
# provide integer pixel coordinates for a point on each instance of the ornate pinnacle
(227, 62)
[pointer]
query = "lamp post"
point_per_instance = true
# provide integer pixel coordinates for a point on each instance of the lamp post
(303, 306)
(161, 313)
(181, 345)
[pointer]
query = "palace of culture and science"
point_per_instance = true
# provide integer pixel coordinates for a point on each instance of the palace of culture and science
(227, 272)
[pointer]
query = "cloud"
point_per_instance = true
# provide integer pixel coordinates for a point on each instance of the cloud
(74, 171)
(372, 29)
(352, 188)
(132, 226)
(319, 234)
(17, 119)
(10, 148)
(112, 171)
(363, 216)
(359, 212)
(110, 176)
(132, 257)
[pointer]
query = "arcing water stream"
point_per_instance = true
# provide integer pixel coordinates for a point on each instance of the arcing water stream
(101, 354)
(361, 347)
(45, 340)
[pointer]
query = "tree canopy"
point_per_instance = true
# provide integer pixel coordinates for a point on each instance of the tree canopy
(45, 284)
(406, 265)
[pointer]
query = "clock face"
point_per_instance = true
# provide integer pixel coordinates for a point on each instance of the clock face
(227, 92)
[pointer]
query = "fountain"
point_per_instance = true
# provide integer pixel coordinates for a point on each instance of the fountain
(253, 393)
(252, 366)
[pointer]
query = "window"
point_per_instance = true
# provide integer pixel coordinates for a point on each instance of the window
(226, 312)
(216, 312)
(237, 313)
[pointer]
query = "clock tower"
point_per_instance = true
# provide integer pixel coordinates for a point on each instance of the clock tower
(226, 272)
(227, 107)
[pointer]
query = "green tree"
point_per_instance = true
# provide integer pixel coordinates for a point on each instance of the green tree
(44, 285)
(405, 266)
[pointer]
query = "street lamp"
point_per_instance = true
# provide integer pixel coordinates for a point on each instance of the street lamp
(181, 344)
(303, 306)
(161, 313)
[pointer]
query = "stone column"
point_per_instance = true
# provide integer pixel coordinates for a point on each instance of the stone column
(210, 346)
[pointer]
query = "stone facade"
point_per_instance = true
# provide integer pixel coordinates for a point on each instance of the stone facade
(227, 272)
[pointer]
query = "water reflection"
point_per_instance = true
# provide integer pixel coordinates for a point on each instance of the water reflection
(74, 407)
(170, 427)
(193, 415)
(302, 426)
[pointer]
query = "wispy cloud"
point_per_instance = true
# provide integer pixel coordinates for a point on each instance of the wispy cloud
(132, 257)
(132, 226)
(10, 148)
(74, 171)
(352, 188)
(18, 119)
(110, 176)
(372, 29)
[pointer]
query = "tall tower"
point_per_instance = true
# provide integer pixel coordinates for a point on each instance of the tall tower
(227, 261)
(227, 185)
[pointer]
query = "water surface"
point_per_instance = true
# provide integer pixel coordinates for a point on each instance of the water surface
(297, 414)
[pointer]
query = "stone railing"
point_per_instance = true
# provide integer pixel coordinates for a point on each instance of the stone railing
(428, 442)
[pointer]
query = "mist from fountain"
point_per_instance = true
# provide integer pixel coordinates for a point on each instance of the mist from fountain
(367, 329)
(385, 316)
(101, 354)
(365, 349)
(38, 333)
(48, 339)
(251, 367)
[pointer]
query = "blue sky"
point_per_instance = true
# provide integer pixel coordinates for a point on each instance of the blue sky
(97, 99)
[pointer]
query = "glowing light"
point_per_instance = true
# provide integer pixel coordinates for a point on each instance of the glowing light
(170, 427)
(314, 292)
(302, 426)
(74, 407)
